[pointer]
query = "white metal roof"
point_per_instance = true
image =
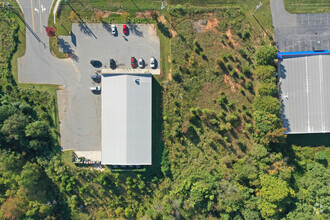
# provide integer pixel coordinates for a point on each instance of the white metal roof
(126, 119)
(305, 92)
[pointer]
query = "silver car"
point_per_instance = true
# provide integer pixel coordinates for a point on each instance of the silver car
(153, 62)
(141, 63)
(95, 88)
(113, 29)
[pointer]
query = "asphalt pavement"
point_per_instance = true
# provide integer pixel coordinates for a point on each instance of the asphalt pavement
(79, 108)
(299, 32)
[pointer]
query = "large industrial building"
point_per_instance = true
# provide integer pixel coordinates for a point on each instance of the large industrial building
(126, 119)
(304, 79)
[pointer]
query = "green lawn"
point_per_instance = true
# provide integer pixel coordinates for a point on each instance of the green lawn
(307, 6)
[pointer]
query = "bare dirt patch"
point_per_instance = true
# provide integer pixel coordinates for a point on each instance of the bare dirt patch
(147, 14)
(170, 71)
(199, 26)
(212, 25)
(230, 36)
(162, 19)
(230, 82)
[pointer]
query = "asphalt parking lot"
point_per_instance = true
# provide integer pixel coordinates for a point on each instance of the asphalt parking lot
(80, 109)
(299, 32)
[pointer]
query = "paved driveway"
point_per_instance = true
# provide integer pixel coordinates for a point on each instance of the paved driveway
(79, 109)
(299, 32)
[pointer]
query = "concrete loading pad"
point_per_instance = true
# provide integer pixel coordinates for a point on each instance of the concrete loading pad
(304, 92)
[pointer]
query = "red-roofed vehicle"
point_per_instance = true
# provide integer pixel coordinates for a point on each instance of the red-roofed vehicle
(125, 29)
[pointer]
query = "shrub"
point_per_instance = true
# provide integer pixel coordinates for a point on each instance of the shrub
(246, 70)
(224, 57)
(243, 53)
(73, 16)
(177, 76)
(203, 55)
(196, 50)
(229, 67)
(246, 35)
(51, 32)
(99, 16)
(249, 86)
(223, 99)
(129, 213)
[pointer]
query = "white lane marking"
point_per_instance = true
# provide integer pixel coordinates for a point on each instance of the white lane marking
(43, 9)
(307, 91)
(37, 10)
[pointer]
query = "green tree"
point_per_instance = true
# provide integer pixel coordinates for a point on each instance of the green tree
(37, 129)
(31, 179)
(265, 72)
(265, 55)
(267, 88)
(13, 127)
(275, 196)
(268, 104)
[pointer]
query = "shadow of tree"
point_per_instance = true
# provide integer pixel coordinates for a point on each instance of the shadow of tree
(86, 30)
(64, 46)
(107, 27)
(135, 30)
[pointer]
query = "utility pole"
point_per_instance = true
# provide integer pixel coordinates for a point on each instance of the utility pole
(257, 7)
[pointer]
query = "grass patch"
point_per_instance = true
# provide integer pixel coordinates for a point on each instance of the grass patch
(307, 6)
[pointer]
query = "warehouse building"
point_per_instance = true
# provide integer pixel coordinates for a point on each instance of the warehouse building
(126, 119)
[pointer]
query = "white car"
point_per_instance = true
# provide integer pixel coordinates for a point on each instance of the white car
(113, 29)
(152, 62)
(141, 63)
(95, 88)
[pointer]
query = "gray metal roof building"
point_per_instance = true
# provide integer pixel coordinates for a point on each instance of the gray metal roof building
(126, 119)
(305, 94)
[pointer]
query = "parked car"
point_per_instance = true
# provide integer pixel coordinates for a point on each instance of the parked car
(152, 62)
(113, 29)
(141, 63)
(133, 62)
(125, 29)
(95, 88)
(96, 63)
(96, 78)
(112, 64)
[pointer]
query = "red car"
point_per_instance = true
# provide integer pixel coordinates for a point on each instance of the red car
(125, 29)
(133, 62)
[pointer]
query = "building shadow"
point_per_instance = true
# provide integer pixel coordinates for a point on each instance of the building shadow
(157, 127)
(311, 140)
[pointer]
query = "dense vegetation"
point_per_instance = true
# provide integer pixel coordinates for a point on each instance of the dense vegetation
(224, 152)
